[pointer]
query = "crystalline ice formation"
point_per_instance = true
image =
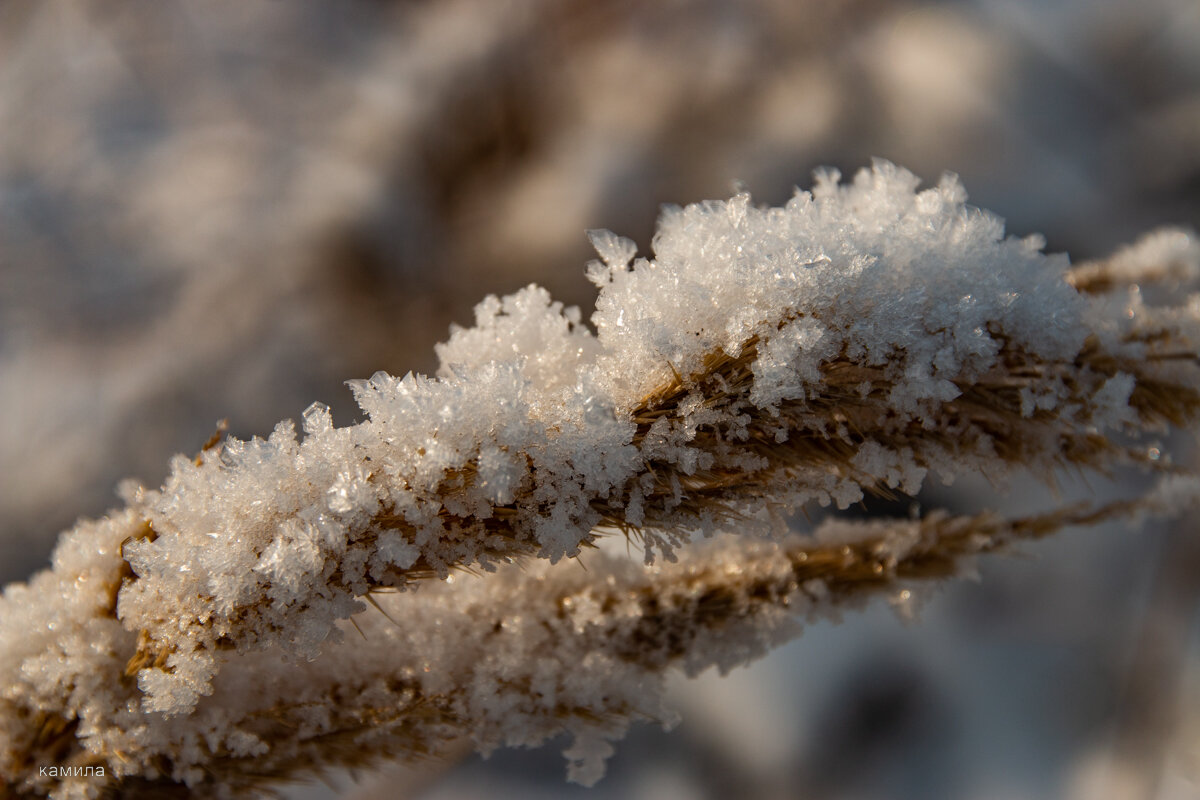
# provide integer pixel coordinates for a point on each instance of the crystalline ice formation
(764, 358)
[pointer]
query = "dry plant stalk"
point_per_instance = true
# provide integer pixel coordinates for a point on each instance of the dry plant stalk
(855, 341)
(990, 407)
(724, 602)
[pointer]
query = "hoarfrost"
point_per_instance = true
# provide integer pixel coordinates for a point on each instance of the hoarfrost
(763, 359)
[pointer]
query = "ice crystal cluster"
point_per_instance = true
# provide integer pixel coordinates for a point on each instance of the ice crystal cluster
(856, 340)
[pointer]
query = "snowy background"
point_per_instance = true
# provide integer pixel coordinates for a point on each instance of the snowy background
(227, 210)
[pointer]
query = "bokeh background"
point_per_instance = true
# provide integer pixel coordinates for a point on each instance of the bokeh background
(225, 209)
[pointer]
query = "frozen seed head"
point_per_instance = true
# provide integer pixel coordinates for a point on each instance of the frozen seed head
(852, 341)
(859, 339)
(521, 656)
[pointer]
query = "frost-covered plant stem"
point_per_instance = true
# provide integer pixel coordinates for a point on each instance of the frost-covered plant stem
(770, 459)
(519, 657)
(854, 341)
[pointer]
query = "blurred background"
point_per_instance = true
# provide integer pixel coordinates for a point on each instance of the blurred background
(226, 209)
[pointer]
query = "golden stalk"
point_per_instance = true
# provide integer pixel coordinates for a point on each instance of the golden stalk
(824, 432)
(679, 608)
